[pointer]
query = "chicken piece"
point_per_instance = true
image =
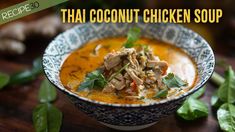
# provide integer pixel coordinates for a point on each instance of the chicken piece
(163, 65)
(134, 77)
(143, 60)
(109, 88)
(118, 84)
(126, 51)
(111, 60)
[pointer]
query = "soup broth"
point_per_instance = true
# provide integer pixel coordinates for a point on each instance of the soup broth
(85, 60)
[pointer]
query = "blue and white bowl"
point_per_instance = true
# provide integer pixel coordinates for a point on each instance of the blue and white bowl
(126, 116)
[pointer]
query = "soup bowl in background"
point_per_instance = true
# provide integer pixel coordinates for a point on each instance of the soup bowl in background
(128, 116)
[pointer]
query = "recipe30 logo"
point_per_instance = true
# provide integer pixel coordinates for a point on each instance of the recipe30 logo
(19, 10)
(25, 8)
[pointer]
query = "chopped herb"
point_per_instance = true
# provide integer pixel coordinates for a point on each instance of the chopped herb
(4, 79)
(132, 36)
(162, 93)
(142, 97)
(146, 47)
(94, 79)
(172, 80)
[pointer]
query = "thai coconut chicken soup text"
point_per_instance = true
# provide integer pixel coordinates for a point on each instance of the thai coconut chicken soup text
(128, 70)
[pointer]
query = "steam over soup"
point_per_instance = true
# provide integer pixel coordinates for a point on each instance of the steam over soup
(128, 70)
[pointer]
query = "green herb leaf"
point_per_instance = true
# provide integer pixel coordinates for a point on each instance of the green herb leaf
(47, 92)
(132, 36)
(192, 109)
(37, 66)
(47, 118)
(215, 101)
(226, 117)
(199, 93)
(21, 77)
(172, 80)
(94, 79)
(226, 91)
(4, 79)
(162, 93)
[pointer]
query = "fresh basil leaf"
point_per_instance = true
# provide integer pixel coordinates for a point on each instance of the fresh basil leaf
(184, 112)
(94, 79)
(37, 66)
(4, 79)
(132, 36)
(47, 118)
(199, 93)
(40, 118)
(161, 94)
(172, 80)
(226, 91)
(226, 117)
(215, 101)
(192, 109)
(54, 118)
(47, 92)
(21, 77)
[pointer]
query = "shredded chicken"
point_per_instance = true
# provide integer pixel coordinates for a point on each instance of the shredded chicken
(144, 70)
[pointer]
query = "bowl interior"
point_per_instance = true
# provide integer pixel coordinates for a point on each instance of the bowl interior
(192, 43)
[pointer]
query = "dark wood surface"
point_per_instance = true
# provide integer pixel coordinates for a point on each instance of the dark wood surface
(17, 102)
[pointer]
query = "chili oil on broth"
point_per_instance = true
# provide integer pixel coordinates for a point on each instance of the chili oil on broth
(83, 60)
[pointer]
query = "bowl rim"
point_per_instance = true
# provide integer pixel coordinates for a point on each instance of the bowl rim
(181, 96)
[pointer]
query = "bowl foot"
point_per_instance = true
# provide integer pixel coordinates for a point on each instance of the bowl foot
(128, 128)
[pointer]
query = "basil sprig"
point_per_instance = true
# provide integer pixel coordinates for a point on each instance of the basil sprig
(46, 117)
(162, 93)
(132, 36)
(170, 81)
(94, 79)
(28, 75)
(224, 99)
(22, 76)
(226, 117)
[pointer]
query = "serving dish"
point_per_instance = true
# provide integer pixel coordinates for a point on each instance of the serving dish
(128, 116)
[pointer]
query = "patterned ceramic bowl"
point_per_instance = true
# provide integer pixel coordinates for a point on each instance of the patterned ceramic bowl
(119, 116)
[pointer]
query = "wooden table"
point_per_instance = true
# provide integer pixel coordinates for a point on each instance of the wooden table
(17, 102)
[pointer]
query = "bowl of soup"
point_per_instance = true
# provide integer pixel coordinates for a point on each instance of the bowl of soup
(128, 76)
